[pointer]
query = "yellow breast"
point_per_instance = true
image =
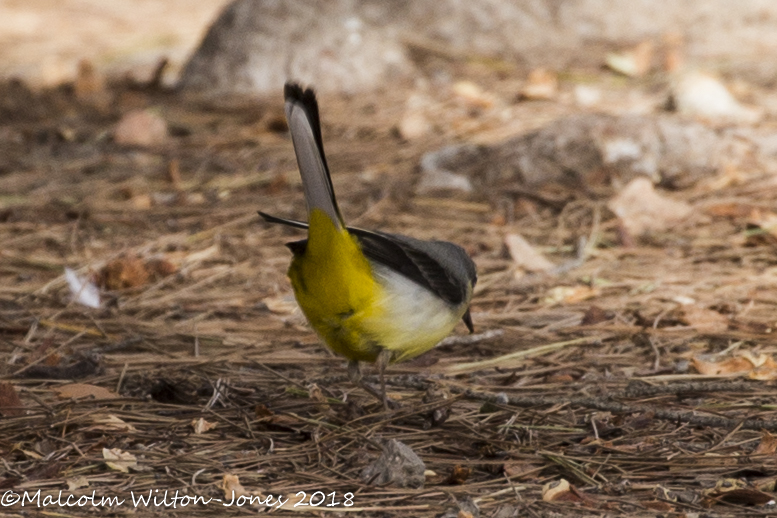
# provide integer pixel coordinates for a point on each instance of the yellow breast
(334, 287)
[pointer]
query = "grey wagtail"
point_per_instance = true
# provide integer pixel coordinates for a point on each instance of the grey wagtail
(371, 296)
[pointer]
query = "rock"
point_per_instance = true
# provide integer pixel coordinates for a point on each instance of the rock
(398, 465)
(581, 151)
(255, 46)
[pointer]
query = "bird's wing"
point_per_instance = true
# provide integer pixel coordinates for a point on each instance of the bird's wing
(443, 268)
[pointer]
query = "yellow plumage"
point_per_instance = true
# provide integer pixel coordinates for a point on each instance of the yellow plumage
(334, 286)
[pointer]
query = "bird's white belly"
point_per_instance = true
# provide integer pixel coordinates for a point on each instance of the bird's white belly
(413, 319)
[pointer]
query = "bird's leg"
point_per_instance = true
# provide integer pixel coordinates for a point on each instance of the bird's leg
(383, 360)
(355, 375)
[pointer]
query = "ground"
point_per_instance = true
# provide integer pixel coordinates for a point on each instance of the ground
(198, 374)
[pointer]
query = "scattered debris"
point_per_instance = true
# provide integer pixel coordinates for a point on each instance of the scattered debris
(398, 465)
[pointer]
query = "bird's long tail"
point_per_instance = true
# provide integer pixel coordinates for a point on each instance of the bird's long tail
(302, 115)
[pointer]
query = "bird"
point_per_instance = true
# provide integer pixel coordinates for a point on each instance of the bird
(371, 296)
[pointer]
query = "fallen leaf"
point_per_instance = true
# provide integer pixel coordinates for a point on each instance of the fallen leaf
(570, 294)
(542, 84)
(459, 475)
(123, 273)
(282, 304)
(201, 426)
(634, 62)
(768, 444)
(119, 460)
(595, 315)
(473, 94)
(704, 320)
(641, 209)
(230, 485)
(559, 491)
(82, 290)
(10, 404)
(84, 390)
(76, 483)
(525, 256)
(735, 491)
(110, 423)
(761, 367)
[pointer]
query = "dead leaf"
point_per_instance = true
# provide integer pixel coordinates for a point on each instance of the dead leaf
(634, 62)
(525, 256)
(83, 390)
(735, 491)
(459, 475)
(761, 367)
(559, 491)
(123, 273)
(201, 425)
(76, 483)
(722, 368)
(10, 404)
(542, 84)
(595, 315)
(641, 209)
(704, 320)
(570, 294)
(230, 485)
(119, 460)
(473, 94)
(281, 304)
(110, 423)
(768, 444)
